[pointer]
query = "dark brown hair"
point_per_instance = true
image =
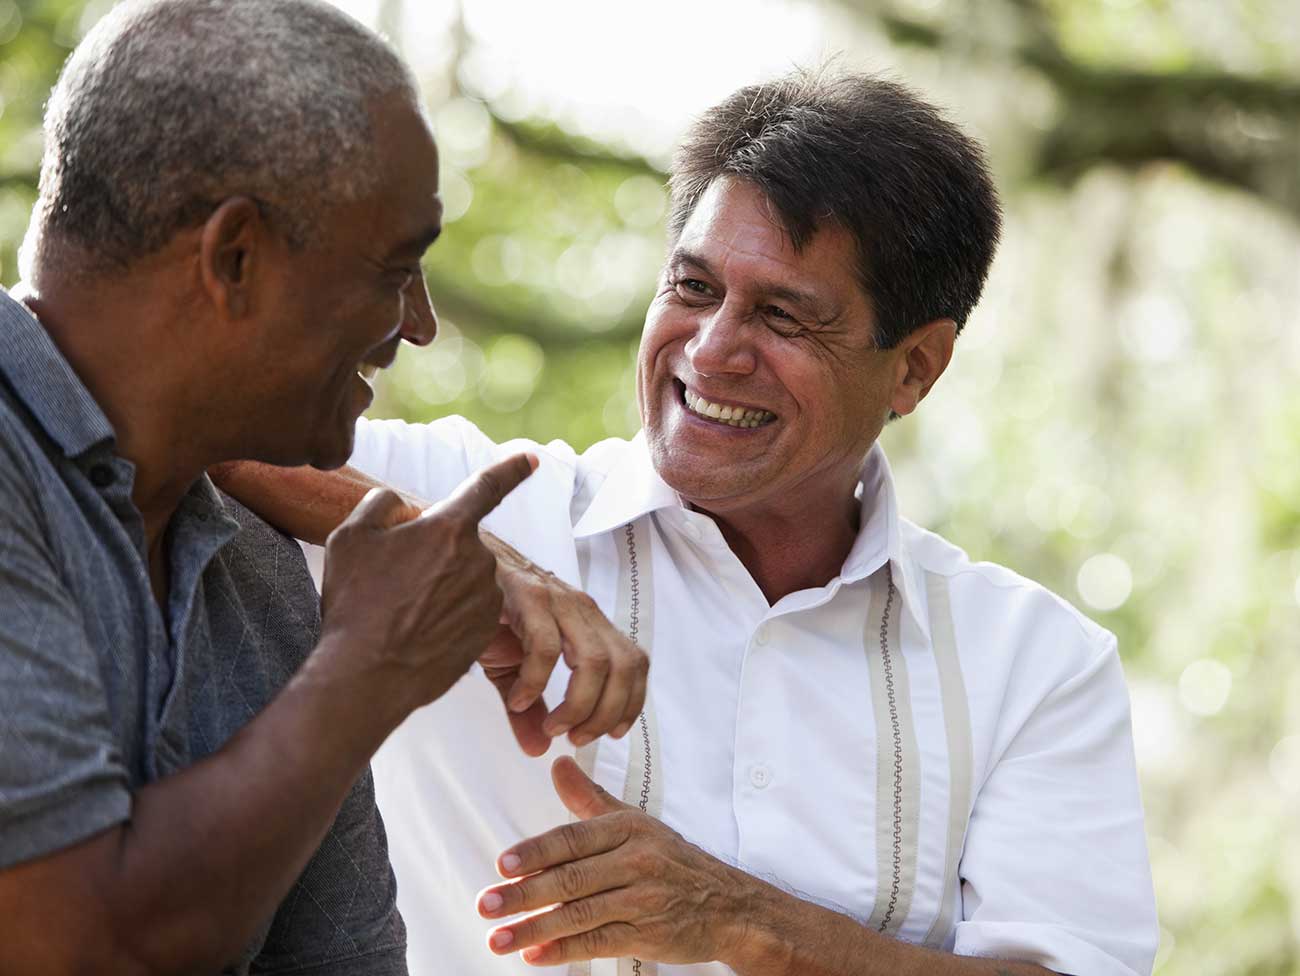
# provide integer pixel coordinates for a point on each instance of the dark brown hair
(912, 189)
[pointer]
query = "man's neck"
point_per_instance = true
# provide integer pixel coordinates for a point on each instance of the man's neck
(795, 549)
(119, 353)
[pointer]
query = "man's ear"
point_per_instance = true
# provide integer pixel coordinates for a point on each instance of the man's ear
(923, 356)
(229, 248)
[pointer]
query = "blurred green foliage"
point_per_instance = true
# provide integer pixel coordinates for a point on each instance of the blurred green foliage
(1121, 421)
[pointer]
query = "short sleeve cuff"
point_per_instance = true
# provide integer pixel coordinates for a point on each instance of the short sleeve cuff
(1050, 946)
(50, 828)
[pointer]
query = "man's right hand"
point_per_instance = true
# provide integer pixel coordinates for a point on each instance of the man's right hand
(413, 602)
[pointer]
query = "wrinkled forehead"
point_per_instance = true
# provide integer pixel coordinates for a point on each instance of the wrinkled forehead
(734, 223)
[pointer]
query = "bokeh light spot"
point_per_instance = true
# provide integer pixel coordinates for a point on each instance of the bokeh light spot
(1284, 764)
(640, 201)
(1204, 687)
(1105, 581)
(511, 368)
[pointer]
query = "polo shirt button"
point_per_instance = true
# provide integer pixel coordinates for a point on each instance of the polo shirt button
(762, 634)
(760, 776)
(101, 476)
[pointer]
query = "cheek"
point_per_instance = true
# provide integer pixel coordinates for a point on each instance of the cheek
(664, 330)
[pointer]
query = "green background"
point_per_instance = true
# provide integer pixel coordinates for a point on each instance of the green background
(1121, 420)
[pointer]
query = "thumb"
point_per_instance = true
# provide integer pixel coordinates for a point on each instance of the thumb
(381, 508)
(583, 798)
(484, 489)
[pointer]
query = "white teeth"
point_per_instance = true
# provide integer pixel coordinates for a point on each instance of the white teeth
(733, 416)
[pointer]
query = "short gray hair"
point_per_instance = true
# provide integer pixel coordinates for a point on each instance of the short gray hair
(167, 107)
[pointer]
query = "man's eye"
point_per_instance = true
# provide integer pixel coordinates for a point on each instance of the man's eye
(777, 312)
(693, 285)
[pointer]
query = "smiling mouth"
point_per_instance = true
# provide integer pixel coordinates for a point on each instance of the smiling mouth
(381, 359)
(731, 415)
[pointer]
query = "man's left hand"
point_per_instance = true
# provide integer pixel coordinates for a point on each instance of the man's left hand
(622, 884)
(544, 619)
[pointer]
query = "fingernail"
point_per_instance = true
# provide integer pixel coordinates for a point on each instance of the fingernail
(554, 728)
(492, 901)
(502, 939)
(621, 731)
(580, 739)
(532, 953)
(510, 862)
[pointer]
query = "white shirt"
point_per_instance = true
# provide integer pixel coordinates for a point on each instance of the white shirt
(970, 785)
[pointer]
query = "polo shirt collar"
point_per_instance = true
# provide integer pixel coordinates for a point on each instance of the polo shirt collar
(46, 384)
(633, 488)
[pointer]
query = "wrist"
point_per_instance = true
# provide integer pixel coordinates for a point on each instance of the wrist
(756, 936)
(364, 697)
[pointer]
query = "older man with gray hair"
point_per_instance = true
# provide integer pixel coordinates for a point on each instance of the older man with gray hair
(234, 200)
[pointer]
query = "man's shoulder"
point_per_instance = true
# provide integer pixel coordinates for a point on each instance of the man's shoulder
(31, 478)
(262, 558)
(265, 597)
(995, 593)
(21, 441)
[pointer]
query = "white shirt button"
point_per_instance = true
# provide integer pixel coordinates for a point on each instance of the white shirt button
(760, 775)
(762, 635)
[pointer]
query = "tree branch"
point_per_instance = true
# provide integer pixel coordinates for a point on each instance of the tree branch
(1233, 129)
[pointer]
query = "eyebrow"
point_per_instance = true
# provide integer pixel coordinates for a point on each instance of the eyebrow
(810, 301)
(421, 240)
(417, 243)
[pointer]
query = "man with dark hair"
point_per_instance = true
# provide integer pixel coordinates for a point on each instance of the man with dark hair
(234, 200)
(849, 148)
(861, 752)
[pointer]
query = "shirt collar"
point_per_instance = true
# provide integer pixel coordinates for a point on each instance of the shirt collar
(633, 488)
(46, 384)
(880, 538)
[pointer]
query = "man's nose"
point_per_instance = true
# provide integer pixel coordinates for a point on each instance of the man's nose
(419, 321)
(723, 343)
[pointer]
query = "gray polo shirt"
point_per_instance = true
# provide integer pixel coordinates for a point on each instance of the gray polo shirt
(100, 693)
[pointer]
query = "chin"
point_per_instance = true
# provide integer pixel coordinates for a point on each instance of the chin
(325, 447)
(334, 455)
(696, 479)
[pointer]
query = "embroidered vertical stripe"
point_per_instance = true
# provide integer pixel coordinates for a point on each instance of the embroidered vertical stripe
(897, 760)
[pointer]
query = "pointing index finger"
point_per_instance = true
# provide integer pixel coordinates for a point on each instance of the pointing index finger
(485, 489)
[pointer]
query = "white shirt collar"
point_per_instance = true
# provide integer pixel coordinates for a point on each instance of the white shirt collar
(633, 488)
(880, 538)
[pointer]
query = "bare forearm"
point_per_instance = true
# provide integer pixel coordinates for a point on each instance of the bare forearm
(303, 502)
(785, 936)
